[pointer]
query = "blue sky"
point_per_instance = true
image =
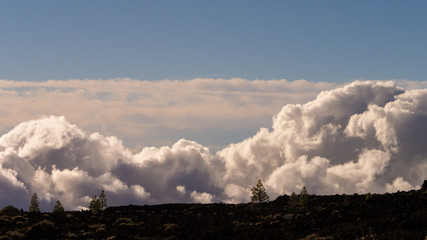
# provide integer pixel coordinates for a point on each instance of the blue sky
(335, 41)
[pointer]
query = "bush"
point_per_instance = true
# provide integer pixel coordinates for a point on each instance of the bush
(43, 230)
(17, 234)
(123, 220)
(10, 211)
(170, 227)
(71, 236)
(5, 221)
(18, 218)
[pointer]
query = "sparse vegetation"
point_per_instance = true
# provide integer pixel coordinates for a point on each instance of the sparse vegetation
(401, 215)
(98, 204)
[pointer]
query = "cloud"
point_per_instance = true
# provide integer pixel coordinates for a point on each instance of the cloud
(12, 191)
(356, 138)
(361, 137)
(156, 113)
(201, 197)
(57, 160)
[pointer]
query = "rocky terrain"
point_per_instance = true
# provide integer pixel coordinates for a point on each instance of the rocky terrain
(401, 215)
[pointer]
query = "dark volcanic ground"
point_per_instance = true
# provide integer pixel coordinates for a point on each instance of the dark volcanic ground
(401, 215)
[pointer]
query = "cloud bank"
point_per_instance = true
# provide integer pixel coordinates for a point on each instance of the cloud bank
(156, 113)
(361, 137)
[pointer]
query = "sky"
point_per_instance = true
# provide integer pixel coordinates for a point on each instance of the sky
(336, 41)
(194, 101)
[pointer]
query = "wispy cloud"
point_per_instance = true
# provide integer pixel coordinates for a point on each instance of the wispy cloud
(154, 112)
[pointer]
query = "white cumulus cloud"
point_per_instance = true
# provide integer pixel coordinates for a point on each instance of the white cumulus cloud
(361, 137)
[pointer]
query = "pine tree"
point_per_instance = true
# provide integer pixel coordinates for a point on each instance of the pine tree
(259, 195)
(303, 197)
(34, 204)
(58, 207)
(293, 200)
(95, 205)
(103, 200)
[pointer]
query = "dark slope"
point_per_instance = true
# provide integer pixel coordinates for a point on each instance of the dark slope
(401, 215)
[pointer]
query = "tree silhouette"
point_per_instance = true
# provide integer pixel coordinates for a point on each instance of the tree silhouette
(293, 200)
(424, 186)
(303, 197)
(34, 204)
(103, 200)
(95, 205)
(10, 210)
(58, 207)
(259, 195)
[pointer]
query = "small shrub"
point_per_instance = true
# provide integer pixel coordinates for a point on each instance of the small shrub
(101, 230)
(18, 218)
(43, 230)
(170, 227)
(94, 226)
(72, 236)
(123, 220)
(88, 235)
(20, 224)
(5, 221)
(16, 235)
